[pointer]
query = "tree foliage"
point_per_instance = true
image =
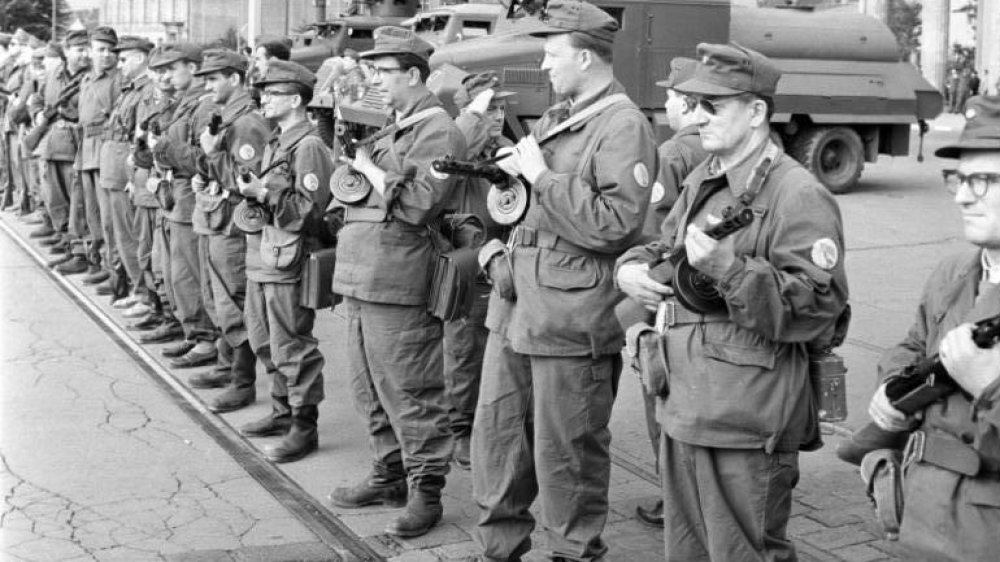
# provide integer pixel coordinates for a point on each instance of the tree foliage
(905, 22)
(34, 16)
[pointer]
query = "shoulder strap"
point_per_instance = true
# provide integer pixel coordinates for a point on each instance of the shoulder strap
(585, 114)
(403, 124)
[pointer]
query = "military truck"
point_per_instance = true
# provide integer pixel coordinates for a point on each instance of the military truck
(845, 96)
(457, 22)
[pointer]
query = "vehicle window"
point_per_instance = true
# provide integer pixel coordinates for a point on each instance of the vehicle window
(362, 33)
(472, 28)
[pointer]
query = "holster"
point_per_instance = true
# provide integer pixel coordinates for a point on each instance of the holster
(648, 352)
(451, 293)
(883, 476)
(317, 280)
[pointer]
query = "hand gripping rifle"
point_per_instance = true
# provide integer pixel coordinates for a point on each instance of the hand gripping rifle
(71, 89)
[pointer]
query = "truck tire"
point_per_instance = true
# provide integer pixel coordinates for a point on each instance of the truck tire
(834, 155)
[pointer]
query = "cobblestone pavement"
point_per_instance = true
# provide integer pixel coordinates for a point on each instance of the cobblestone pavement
(96, 462)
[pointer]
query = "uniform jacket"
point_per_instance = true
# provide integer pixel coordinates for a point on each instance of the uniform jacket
(15, 103)
(470, 194)
(392, 260)
(119, 132)
(178, 148)
(152, 108)
(298, 168)
(60, 142)
(243, 137)
(594, 195)
(98, 96)
(947, 301)
(744, 383)
(678, 157)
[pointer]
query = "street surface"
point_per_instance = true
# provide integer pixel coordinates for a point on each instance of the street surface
(104, 459)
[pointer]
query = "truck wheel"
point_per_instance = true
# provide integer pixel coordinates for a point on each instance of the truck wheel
(325, 123)
(833, 154)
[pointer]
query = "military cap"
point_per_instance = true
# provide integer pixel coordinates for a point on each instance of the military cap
(105, 34)
(681, 70)
(174, 52)
(392, 40)
(283, 71)
(5, 39)
(475, 84)
(267, 38)
(35, 42)
(214, 60)
(21, 37)
(565, 16)
(77, 37)
(982, 128)
(54, 50)
(133, 43)
(725, 70)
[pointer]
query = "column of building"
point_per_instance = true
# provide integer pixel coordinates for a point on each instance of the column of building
(934, 46)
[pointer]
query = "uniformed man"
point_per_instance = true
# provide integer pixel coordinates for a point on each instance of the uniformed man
(678, 156)
(736, 403)
(116, 172)
(237, 146)
(6, 64)
(266, 49)
(61, 149)
(16, 107)
(951, 487)
(553, 356)
(481, 118)
(99, 92)
(176, 153)
(30, 204)
(385, 259)
(294, 191)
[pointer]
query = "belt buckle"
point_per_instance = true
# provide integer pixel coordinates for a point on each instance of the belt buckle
(914, 450)
(666, 315)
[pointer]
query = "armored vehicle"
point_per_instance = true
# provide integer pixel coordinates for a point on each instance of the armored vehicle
(845, 96)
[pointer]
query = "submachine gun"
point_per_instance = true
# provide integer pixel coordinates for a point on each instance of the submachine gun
(507, 199)
(918, 386)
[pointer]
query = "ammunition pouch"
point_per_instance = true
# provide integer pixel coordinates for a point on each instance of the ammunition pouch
(882, 473)
(452, 284)
(494, 259)
(648, 352)
(165, 194)
(216, 209)
(280, 249)
(317, 280)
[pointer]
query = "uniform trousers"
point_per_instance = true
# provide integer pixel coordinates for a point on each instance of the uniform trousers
(727, 505)
(464, 346)
(55, 193)
(144, 230)
(160, 262)
(92, 201)
(185, 283)
(126, 242)
(280, 330)
(542, 431)
(32, 181)
(394, 361)
(78, 224)
(949, 516)
(15, 175)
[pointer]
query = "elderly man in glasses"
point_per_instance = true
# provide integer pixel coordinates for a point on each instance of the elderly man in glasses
(951, 488)
(735, 400)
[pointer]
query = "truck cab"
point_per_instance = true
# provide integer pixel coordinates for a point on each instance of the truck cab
(458, 22)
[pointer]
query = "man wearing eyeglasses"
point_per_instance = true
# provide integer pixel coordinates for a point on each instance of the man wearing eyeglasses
(553, 357)
(951, 488)
(736, 404)
(386, 254)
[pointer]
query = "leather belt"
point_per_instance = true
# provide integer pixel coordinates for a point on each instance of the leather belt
(93, 129)
(671, 313)
(531, 238)
(947, 453)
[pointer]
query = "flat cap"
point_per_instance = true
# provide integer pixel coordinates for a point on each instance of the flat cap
(214, 60)
(392, 40)
(174, 52)
(475, 84)
(77, 37)
(565, 16)
(36, 43)
(5, 39)
(681, 70)
(54, 50)
(287, 72)
(725, 70)
(105, 34)
(133, 43)
(982, 128)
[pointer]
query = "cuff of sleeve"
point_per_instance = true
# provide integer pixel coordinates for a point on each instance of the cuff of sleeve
(732, 277)
(542, 181)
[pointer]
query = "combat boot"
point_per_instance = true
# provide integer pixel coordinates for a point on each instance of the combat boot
(278, 422)
(213, 378)
(73, 266)
(41, 232)
(302, 438)
(147, 322)
(53, 240)
(58, 260)
(375, 489)
(95, 275)
(241, 391)
(166, 332)
(423, 512)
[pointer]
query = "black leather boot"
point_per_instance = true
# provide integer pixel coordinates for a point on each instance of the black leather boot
(278, 422)
(241, 391)
(384, 486)
(423, 512)
(302, 438)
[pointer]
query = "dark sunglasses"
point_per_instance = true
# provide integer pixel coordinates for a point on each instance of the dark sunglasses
(710, 104)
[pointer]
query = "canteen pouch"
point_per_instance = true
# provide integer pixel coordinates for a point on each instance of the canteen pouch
(317, 280)
(451, 291)
(649, 358)
(882, 473)
(280, 249)
(495, 261)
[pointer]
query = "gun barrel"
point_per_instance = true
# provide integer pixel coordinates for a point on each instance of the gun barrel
(489, 172)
